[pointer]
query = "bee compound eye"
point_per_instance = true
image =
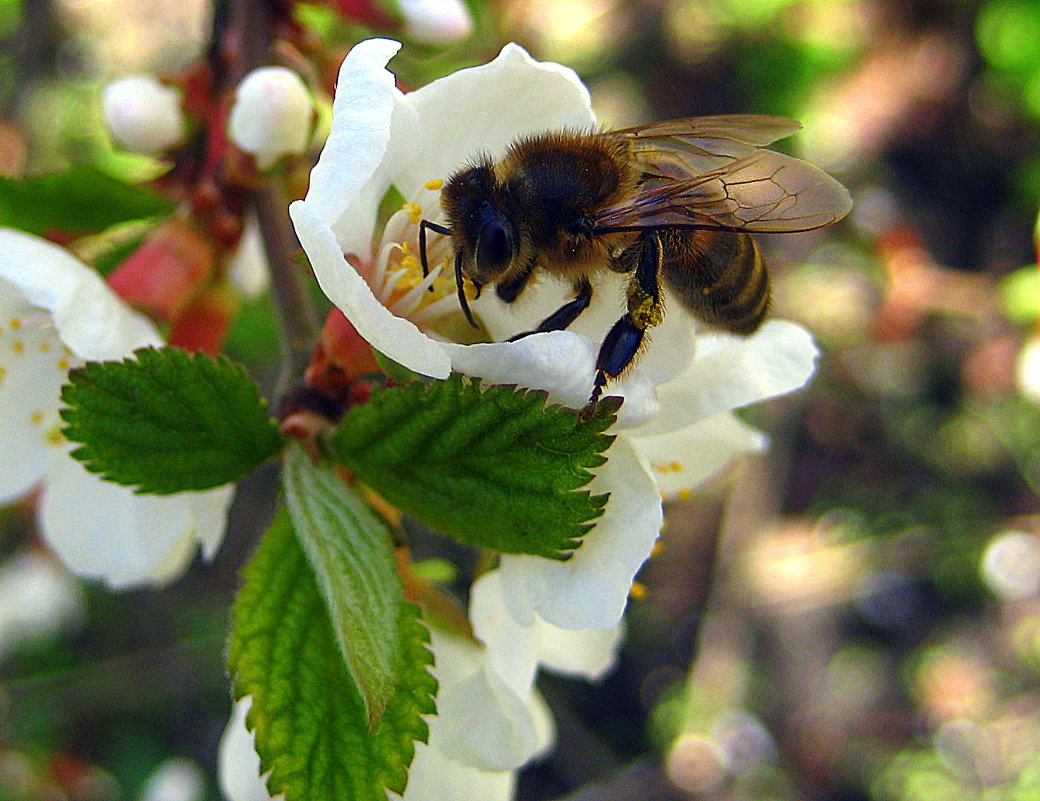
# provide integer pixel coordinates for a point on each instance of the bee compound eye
(494, 248)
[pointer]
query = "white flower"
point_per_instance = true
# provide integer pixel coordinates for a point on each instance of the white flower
(272, 115)
(676, 426)
(435, 22)
(143, 114)
(55, 313)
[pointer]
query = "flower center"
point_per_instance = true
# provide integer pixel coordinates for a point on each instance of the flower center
(397, 278)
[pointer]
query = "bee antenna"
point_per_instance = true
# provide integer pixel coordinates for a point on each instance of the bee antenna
(460, 282)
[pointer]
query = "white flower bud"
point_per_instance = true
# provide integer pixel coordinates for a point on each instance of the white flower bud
(272, 115)
(143, 114)
(435, 22)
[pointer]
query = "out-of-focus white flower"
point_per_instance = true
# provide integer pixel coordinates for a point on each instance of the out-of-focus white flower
(176, 779)
(272, 115)
(38, 600)
(248, 269)
(143, 114)
(1027, 370)
(55, 313)
(435, 22)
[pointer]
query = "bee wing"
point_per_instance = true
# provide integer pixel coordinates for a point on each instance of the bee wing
(708, 172)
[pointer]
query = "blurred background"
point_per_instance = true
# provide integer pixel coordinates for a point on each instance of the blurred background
(853, 615)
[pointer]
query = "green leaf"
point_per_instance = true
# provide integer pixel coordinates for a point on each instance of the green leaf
(79, 199)
(349, 550)
(167, 421)
(495, 467)
(312, 730)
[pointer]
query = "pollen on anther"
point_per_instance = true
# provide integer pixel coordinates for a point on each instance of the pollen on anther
(414, 212)
(63, 364)
(18, 346)
(54, 436)
(14, 323)
(45, 346)
(36, 418)
(434, 185)
(638, 591)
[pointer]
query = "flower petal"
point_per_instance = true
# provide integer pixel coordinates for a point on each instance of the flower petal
(589, 590)
(91, 320)
(349, 179)
(515, 651)
(560, 362)
(731, 371)
(393, 336)
(238, 766)
(435, 777)
(33, 367)
(496, 103)
(106, 531)
(683, 459)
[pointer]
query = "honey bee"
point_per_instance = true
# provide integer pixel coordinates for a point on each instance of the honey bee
(673, 202)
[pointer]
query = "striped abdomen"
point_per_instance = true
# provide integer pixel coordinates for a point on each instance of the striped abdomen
(718, 275)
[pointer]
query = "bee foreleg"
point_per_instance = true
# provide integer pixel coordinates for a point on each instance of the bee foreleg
(645, 310)
(439, 229)
(567, 313)
(510, 290)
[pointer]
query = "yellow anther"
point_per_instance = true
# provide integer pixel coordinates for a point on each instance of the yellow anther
(656, 550)
(405, 248)
(414, 211)
(36, 418)
(3, 372)
(15, 323)
(410, 263)
(18, 346)
(434, 185)
(54, 437)
(637, 592)
(683, 494)
(45, 346)
(63, 364)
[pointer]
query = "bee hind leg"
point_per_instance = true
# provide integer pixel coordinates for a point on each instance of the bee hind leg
(626, 336)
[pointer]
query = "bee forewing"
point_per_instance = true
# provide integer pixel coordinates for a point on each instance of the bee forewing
(766, 192)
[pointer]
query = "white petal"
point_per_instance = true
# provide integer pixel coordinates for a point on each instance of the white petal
(248, 268)
(210, 510)
(435, 777)
(31, 375)
(90, 319)
(559, 362)
(590, 589)
(481, 722)
(238, 766)
(349, 179)
(481, 110)
(512, 648)
(176, 779)
(38, 600)
(105, 531)
(730, 371)
(393, 336)
(680, 460)
(516, 650)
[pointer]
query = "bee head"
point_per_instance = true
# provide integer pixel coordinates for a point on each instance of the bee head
(481, 229)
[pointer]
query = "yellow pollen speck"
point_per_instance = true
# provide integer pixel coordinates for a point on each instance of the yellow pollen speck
(63, 364)
(3, 372)
(656, 550)
(637, 592)
(434, 185)
(683, 494)
(405, 248)
(15, 323)
(54, 437)
(18, 346)
(36, 418)
(411, 263)
(45, 346)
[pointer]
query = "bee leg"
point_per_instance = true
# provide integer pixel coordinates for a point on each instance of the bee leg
(438, 229)
(645, 310)
(510, 290)
(566, 314)
(460, 284)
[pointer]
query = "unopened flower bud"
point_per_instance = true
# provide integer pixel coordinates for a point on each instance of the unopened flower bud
(435, 22)
(272, 115)
(143, 114)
